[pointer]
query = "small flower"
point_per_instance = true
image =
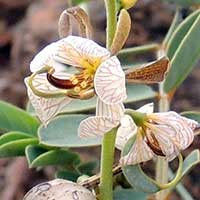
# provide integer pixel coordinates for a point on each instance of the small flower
(162, 134)
(96, 71)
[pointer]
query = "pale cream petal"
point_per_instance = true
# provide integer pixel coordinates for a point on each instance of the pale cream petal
(96, 126)
(44, 57)
(127, 129)
(166, 138)
(140, 152)
(114, 112)
(109, 82)
(72, 50)
(182, 126)
(46, 108)
(147, 108)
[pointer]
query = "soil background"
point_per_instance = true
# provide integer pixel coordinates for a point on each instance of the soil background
(27, 26)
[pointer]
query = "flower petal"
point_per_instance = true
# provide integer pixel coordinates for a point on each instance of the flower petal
(45, 58)
(140, 152)
(147, 108)
(182, 126)
(96, 126)
(114, 112)
(72, 50)
(109, 82)
(127, 129)
(166, 138)
(46, 108)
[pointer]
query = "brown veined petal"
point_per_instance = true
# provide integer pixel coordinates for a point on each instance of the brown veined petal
(46, 108)
(140, 152)
(109, 82)
(151, 73)
(96, 126)
(126, 130)
(182, 126)
(72, 50)
(166, 138)
(114, 112)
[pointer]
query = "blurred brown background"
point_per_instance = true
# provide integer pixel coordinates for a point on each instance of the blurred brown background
(27, 26)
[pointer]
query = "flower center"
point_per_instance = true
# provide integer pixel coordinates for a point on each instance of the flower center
(80, 82)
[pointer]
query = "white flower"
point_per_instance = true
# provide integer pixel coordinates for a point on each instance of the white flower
(163, 134)
(97, 71)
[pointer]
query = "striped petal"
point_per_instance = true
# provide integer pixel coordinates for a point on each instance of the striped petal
(96, 126)
(182, 126)
(114, 112)
(46, 108)
(109, 82)
(45, 58)
(166, 138)
(127, 129)
(140, 152)
(72, 50)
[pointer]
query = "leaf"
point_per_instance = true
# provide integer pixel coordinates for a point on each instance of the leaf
(192, 115)
(88, 168)
(38, 156)
(136, 92)
(63, 132)
(16, 119)
(16, 148)
(180, 33)
(190, 161)
(184, 2)
(185, 58)
(68, 175)
(135, 176)
(77, 2)
(12, 136)
(129, 194)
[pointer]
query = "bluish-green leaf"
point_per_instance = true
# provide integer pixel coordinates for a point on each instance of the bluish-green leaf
(12, 136)
(135, 176)
(13, 118)
(179, 34)
(68, 175)
(136, 92)
(39, 156)
(63, 132)
(129, 194)
(88, 168)
(185, 58)
(184, 2)
(17, 147)
(192, 115)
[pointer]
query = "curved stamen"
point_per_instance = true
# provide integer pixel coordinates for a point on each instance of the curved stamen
(60, 83)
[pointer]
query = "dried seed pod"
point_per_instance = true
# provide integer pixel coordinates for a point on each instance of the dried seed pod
(122, 32)
(65, 26)
(59, 189)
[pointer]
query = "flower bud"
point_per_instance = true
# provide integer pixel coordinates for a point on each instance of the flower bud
(126, 4)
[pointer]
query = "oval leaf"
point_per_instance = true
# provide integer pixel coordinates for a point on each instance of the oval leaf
(16, 148)
(13, 118)
(180, 33)
(39, 156)
(12, 136)
(63, 132)
(67, 175)
(128, 194)
(185, 58)
(192, 115)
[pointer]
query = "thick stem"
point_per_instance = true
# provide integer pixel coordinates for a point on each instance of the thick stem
(111, 13)
(107, 159)
(162, 164)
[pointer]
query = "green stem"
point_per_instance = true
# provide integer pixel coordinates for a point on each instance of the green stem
(162, 164)
(111, 12)
(107, 159)
(139, 50)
